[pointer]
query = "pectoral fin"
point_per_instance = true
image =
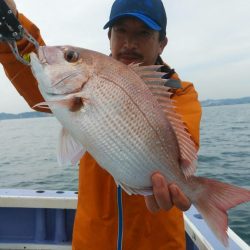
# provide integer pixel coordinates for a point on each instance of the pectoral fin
(69, 150)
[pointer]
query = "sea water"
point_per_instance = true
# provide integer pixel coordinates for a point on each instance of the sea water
(28, 155)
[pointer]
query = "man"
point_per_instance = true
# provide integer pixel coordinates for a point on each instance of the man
(137, 33)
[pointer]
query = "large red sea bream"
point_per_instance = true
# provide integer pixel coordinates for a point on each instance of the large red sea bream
(124, 117)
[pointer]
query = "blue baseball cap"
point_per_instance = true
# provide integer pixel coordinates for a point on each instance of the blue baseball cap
(150, 12)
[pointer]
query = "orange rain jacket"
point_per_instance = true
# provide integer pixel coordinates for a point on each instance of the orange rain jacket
(96, 222)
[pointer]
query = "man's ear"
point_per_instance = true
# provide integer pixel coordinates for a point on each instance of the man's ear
(163, 44)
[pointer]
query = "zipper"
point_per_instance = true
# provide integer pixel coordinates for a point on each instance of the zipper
(120, 218)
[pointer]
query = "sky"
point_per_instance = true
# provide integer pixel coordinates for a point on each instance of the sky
(209, 41)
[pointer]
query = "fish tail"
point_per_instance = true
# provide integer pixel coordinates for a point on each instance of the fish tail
(213, 201)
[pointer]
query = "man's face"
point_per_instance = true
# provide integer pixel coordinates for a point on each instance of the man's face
(132, 41)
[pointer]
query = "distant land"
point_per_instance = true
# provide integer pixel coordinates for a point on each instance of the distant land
(34, 114)
(206, 103)
(221, 102)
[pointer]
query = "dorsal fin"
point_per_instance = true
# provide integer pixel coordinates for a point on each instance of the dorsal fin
(156, 85)
(186, 144)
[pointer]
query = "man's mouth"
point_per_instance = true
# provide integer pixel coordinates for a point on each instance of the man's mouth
(130, 58)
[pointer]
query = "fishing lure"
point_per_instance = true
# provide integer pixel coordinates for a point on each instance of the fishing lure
(12, 31)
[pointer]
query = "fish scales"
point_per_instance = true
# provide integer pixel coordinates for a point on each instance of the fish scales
(142, 97)
(132, 142)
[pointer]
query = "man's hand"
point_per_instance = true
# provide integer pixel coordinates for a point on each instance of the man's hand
(165, 195)
(12, 6)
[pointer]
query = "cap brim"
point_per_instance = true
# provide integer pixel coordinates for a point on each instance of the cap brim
(149, 22)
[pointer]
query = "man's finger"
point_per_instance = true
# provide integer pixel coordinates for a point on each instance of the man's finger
(151, 204)
(161, 191)
(178, 198)
(12, 6)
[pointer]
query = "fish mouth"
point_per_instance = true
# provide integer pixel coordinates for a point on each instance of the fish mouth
(50, 55)
(42, 55)
(37, 68)
(35, 63)
(47, 70)
(38, 59)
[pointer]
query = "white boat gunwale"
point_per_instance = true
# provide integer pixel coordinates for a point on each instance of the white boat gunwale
(196, 228)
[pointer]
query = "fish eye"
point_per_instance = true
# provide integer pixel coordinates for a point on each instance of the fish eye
(71, 56)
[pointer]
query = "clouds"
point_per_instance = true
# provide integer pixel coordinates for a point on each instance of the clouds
(210, 44)
(209, 41)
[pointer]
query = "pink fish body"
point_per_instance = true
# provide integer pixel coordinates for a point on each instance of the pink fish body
(124, 117)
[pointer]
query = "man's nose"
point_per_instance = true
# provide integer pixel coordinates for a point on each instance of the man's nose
(131, 42)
